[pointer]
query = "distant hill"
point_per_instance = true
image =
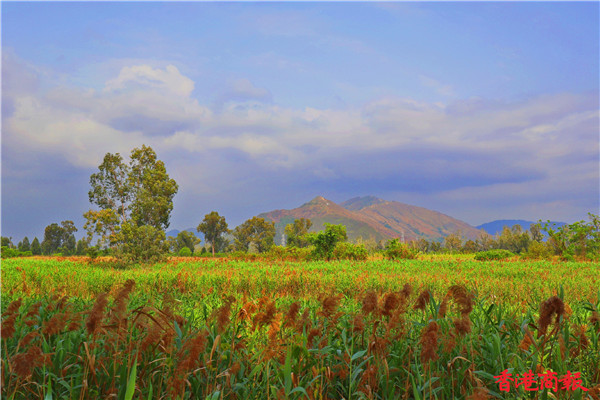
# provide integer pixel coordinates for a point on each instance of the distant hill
(495, 227)
(371, 218)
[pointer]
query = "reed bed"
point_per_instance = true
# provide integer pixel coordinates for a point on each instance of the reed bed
(222, 329)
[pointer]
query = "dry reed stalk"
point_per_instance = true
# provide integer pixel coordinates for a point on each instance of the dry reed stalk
(96, 314)
(429, 342)
(527, 341)
(422, 300)
(462, 298)
(390, 303)
(462, 326)
(24, 363)
(550, 307)
(7, 328)
(291, 315)
(369, 304)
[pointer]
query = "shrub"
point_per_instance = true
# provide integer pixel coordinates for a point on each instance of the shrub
(497, 254)
(538, 250)
(288, 253)
(185, 252)
(7, 252)
(395, 250)
(349, 251)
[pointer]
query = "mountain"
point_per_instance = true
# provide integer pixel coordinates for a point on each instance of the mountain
(409, 221)
(371, 218)
(495, 227)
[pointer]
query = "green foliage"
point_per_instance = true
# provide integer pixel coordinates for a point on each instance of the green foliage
(396, 250)
(59, 237)
(8, 252)
(256, 232)
(185, 252)
(349, 251)
(496, 254)
(453, 242)
(134, 199)
(288, 253)
(36, 248)
(213, 227)
(296, 232)
(538, 250)
(579, 239)
(7, 242)
(145, 244)
(326, 240)
(183, 239)
(24, 244)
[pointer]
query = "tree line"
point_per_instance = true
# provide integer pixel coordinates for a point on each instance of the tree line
(134, 200)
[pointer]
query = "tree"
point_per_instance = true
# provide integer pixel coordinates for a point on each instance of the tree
(536, 232)
(453, 241)
(296, 232)
(36, 249)
(24, 244)
(183, 240)
(255, 231)
(81, 248)
(213, 226)
(325, 240)
(53, 239)
(7, 242)
(135, 202)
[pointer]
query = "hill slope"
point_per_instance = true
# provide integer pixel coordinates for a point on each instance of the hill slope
(371, 218)
(495, 227)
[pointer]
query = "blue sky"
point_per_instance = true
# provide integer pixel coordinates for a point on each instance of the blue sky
(481, 111)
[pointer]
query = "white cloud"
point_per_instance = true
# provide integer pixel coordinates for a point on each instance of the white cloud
(550, 137)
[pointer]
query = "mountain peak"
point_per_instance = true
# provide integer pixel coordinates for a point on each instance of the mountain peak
(358, 203)
(319, 200)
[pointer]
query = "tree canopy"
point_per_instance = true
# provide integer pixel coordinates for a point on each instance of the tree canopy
(135, 201)
(213, 226)
(256, 232)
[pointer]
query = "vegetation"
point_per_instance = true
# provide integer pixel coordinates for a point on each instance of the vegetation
(326, 240)
(135, 202)
(213, 226)
(343, 329)
(499, 254)
(297, 231)
(255, 233)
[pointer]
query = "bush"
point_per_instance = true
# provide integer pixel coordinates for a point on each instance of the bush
(349, 251)
(288, 253)
(7, 252)
(397, 251)
(538, 250)
(497, 254)
(185, 252)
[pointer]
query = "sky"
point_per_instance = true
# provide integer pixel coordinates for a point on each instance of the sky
(478, 110)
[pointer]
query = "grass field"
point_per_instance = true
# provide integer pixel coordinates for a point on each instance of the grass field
(415, 329)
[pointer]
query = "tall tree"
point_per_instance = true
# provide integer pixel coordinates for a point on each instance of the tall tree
(255, 231)
(24, 244)
(213, 226)
(325, 241)
(53, 239)
(36, 249)
(183, 239)
(296, 232)
(135, 202)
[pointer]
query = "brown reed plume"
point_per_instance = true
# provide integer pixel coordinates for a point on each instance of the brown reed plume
(595, 319)
(117, 315)
(422, 300)
(8, 326)
(24, 363)
(406, 292)
(550, 307)
(390, 303)
(462, 298)
(13, 307)
(56, 324)
(329, 306)
(527, 341)
(429, 342)
(462, 326)
(291, 315)
(96, 314)
(369, 303)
